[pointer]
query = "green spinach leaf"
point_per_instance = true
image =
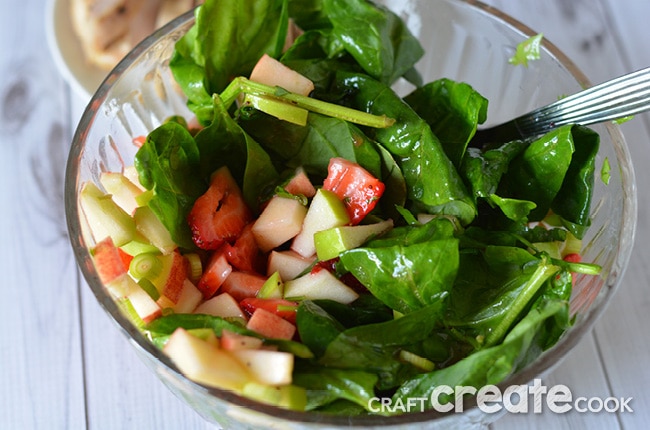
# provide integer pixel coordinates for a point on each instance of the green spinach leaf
(453, 110)
(167, 164)
(432, 181)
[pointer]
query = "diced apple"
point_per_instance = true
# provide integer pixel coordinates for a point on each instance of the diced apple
(299, 184)
(222, 305)
(331, 242)
(283, 308)
(215, 273)
(144, 305)
(270, 71)
(267, 367)
(280, 221)
(105, 218)
(139, 245)
(285, 396)
(325, 211)
(108, 262)
(243, 284)
(204, 363)
(131, 173)
(188, 299)
(272, 288)
(320, 284)
(270, 325)
(169, 281)
(123, 191)
(232, 341)
(289, 264)
(148, 224)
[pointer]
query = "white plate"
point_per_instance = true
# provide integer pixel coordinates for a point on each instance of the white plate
(66, 51)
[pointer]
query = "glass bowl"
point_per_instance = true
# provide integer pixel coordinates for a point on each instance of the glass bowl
(465, 41)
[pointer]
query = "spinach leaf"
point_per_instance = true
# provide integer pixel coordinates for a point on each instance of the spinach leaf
(164, 326)
(377, 38)
(538, 173)
(437, 229)
(167, 164)
(534, 333)
(313, 145)
(573, 201)
(227, 40)
(433, 182)
(316, 327)
(325, 385)
(224, 143)
(453, 110)
(373, 347)
(406, 278)
(483, 169)
(493, 289)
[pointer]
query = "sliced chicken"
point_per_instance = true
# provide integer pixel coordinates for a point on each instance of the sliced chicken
(109, 29)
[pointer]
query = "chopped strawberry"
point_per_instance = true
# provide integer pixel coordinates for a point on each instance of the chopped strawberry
(300, 184)
(244, 254)
(243, 284)
(270, 325)
(220, 214)
(572, 258)
(283, 308)
(356, 187)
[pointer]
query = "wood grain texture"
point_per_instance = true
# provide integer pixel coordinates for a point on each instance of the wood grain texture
(63, 365)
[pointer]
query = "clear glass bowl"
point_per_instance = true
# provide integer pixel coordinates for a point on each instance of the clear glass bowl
(466, 41)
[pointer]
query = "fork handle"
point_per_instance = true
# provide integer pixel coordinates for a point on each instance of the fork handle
(615, 99)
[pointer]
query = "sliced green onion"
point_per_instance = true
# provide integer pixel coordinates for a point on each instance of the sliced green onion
(279, 109)
(149, 288)
(143, 198)
(283, 308)
(416, 360)
(146, 265)
(125, 305)
(243, 85)
(196, 266)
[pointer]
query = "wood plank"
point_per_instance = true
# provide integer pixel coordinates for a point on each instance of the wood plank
(41, 364)
(121, 391)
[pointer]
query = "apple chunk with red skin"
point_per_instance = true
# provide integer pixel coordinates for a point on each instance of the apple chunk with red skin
(270, 325)
(269, 71)
(107, 260)
(233, 341)
(169, 282)
(280, 221)
(215, 273)
(113, 274)
(243, 284)
(203, 362)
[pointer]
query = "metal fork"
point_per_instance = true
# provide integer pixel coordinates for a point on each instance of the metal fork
(615, 99)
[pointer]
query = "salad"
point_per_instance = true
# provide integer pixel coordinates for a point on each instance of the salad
(313, 240)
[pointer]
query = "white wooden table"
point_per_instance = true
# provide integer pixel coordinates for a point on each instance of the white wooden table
(64, 366)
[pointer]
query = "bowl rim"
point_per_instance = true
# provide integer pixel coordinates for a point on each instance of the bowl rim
(536, 369)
